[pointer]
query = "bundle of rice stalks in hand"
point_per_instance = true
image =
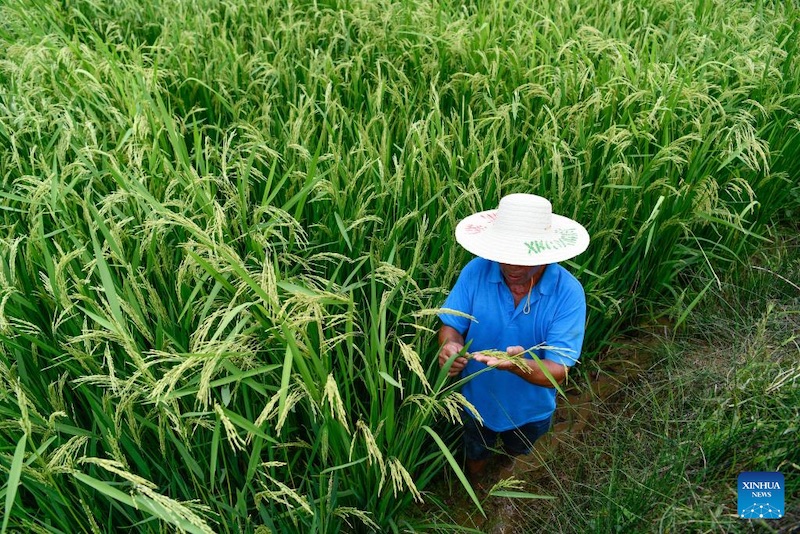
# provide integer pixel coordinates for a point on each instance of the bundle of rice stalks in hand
(517, 359)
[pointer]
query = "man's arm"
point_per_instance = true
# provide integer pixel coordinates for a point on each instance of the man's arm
(533, 373)
(451, 342)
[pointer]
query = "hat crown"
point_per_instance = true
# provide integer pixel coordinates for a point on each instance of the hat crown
(523, 230)
(524, 214)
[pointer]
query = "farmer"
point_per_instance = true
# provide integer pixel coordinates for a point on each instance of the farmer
(519, 299)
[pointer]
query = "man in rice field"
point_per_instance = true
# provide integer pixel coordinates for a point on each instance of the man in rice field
(523, 303)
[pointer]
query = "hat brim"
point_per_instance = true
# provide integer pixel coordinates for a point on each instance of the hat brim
(566, 239)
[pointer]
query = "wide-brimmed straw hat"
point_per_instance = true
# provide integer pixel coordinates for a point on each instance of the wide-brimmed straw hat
(523, 230)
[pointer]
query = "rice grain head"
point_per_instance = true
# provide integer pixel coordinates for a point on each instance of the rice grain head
(414, 363)
(64, 458)
(285, 495)
(335, 402)
(176, 509)
(234, 439)
(374, 454)
(402, 479)
(118, 469)
(348, 512)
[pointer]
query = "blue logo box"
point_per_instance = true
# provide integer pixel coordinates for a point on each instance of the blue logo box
(761, 495)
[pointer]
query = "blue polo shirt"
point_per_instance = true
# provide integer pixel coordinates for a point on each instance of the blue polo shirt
(557, 318)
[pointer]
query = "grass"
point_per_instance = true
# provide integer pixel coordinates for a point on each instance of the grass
(720, 398)
(226, 227)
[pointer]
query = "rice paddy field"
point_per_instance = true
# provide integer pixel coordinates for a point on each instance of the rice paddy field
(226, 226)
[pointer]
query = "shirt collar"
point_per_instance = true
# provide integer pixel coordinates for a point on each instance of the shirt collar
(495, 275)
(545, 286)
(548, 281)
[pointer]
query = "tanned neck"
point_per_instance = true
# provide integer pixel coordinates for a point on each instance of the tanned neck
(519, 291)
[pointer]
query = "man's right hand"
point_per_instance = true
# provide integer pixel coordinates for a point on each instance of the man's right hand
(446, 352)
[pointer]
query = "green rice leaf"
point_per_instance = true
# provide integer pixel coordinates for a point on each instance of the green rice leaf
(454, 464)
(343, 466)
(519, 495)
(386, 376)
(108, 282)
(14, 474)
(215, 439)
(105, 488)
(247, 425)
(343, 231)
